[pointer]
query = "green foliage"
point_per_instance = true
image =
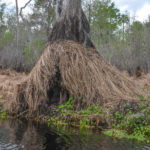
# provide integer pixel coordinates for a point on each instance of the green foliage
(118, 115)
(124, 43)
(62, 111)
(132, 125)
(122, 134)
(3, 115)
(38, 44)
(6, 38)
(91, 110)
(141, 97)
(66, 108)
(105, 20)
(83, 126)
(44, 10)
(136, 27)
(125, 105)
(27, 54)
(2, 10)
(106, 15)
(141, 106)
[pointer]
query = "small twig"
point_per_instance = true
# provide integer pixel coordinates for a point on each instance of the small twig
(22, 113)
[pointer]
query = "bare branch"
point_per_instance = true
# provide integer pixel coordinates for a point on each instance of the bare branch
(21, 9)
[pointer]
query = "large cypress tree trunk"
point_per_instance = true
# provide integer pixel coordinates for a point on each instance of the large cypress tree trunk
(71, 23)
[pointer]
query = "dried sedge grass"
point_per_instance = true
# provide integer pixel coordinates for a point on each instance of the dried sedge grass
(8, 80)
(86, 75)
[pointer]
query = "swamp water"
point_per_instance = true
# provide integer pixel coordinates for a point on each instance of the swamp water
(28, 135)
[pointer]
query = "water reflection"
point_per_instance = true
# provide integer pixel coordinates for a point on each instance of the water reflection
(22, 134)
(28, 135)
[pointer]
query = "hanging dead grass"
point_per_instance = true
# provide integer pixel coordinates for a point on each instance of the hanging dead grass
(64, 70)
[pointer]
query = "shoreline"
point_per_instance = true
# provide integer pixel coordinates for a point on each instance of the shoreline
(132, 125)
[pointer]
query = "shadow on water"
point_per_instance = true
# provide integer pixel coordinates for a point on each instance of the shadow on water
(29, 135)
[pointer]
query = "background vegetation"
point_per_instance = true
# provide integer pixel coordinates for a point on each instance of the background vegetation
(122, 40)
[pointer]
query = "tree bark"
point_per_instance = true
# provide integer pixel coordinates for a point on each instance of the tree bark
(71, 23)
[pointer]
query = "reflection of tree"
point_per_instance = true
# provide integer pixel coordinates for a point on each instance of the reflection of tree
(33, 136)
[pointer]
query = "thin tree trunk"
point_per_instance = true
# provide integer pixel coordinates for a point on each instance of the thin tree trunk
(17, 17)
(48, 18)
(26, 23)
(89, 12)
(71, 23)
(123, 30)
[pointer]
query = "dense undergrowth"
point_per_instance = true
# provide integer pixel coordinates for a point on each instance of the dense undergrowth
(132, 124)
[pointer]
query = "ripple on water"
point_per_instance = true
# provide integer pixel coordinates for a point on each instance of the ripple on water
(5, 140)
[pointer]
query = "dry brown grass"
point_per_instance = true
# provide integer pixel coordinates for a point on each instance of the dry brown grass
(143, 82)
(8, 81)
(64, 70)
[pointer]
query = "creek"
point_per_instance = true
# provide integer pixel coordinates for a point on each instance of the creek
(30, 135)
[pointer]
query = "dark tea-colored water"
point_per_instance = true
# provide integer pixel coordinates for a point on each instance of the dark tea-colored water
(28, 135)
